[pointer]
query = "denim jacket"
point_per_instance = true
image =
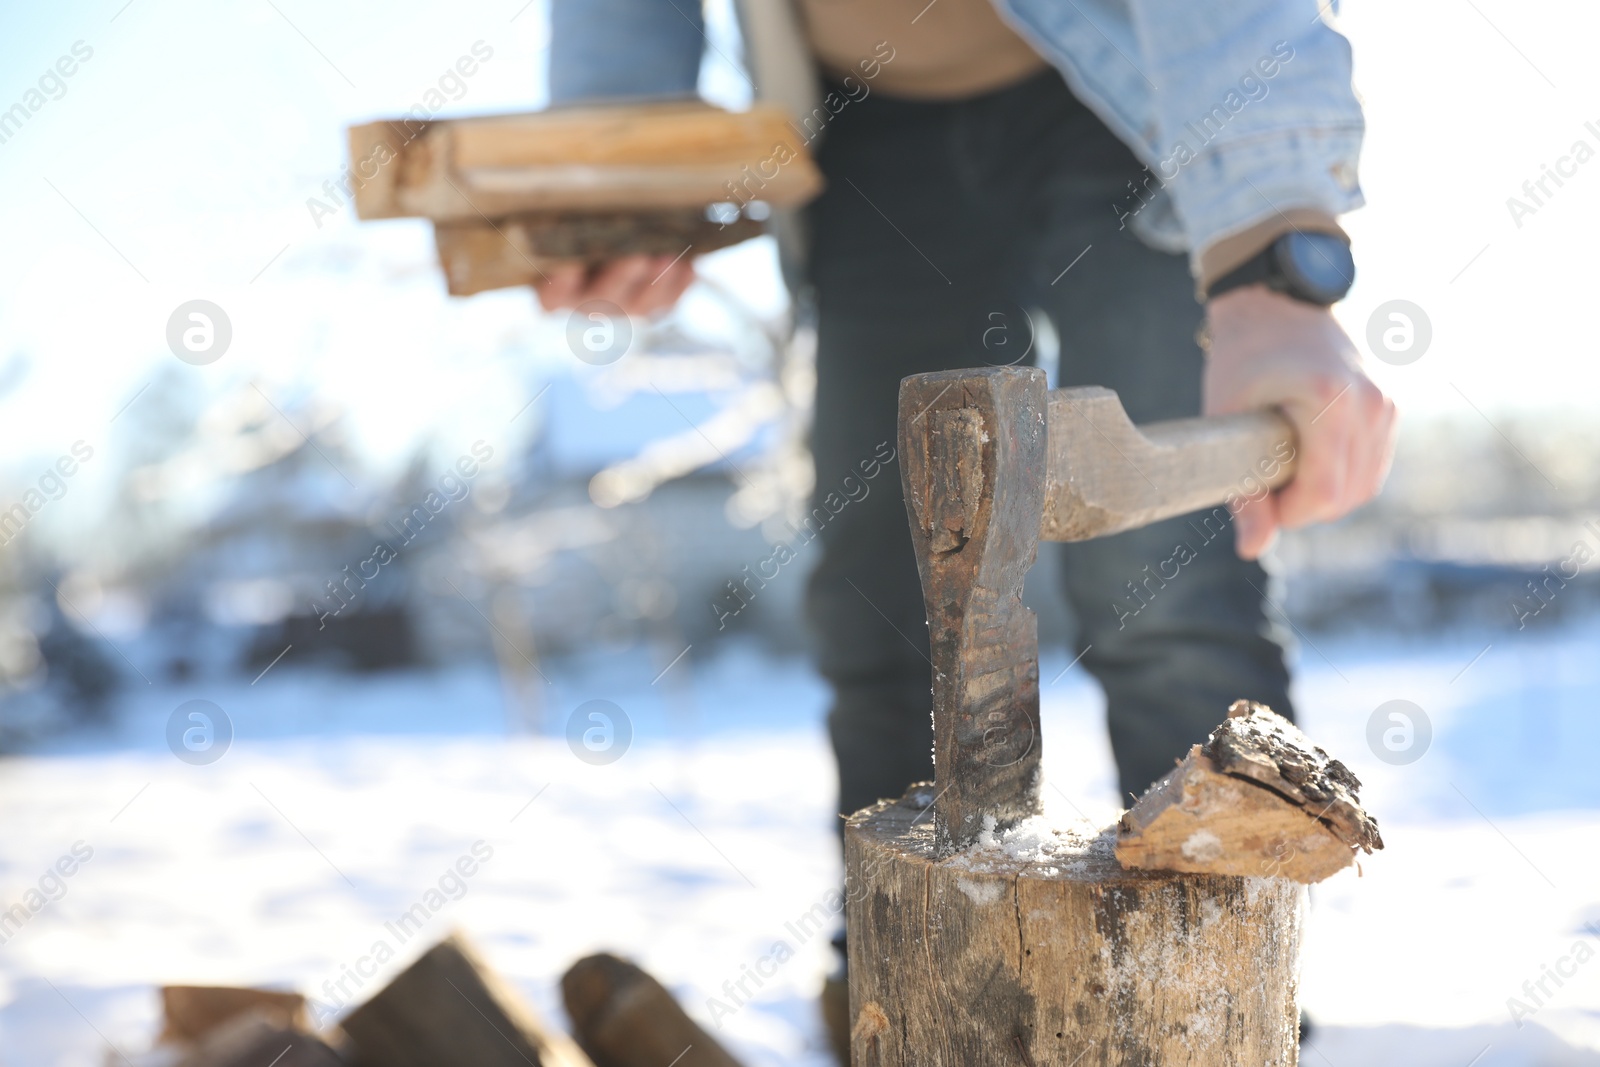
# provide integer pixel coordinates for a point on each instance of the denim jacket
(1240, 109)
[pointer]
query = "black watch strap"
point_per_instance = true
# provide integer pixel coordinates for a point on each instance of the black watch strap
(1313, 267)
(1256, 270)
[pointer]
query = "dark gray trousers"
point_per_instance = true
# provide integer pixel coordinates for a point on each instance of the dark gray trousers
(941, 226)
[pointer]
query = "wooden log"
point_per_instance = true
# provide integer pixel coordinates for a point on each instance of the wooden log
(1257, 799)
(622, 1017)
(449, 1008)
(256, 1039)
(1106, 475)
(1036, 947)
(1200, 820)
(478, 255)
(610, 157)
(190, 1012)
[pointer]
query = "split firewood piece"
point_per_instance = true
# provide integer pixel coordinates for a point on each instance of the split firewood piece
(1257, 799)
(190, 1012)
(633, 157)
(625, 1018)
(449, 1008)
(256, 1039)
(1256, 742)
(478, 255)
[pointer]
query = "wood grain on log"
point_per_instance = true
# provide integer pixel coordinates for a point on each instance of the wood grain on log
(478, 255)
(622, 1017)
(1036, 947)
(1106, 475)
(449, 1008)
(612, 157)
(973, 448)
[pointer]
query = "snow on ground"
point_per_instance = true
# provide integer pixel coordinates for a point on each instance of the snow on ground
(342, 802)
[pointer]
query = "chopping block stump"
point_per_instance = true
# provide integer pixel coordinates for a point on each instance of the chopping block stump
(1034, 947)
(979, 934)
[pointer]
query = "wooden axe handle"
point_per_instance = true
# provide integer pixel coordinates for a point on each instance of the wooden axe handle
(1105, 475)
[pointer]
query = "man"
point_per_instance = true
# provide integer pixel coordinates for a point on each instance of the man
(1155, 173)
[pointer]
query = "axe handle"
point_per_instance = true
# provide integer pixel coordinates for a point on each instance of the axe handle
(1105, 475)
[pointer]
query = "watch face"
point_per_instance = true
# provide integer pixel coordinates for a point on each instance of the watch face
(1318, 266)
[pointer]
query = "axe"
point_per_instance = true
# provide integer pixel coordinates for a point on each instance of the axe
(993, 462)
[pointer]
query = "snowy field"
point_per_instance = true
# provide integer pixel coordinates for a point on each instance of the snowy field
(341, 802)
(179, 163)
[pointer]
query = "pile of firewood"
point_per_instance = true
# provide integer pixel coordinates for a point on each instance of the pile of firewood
(447, 1008)
(511, 196)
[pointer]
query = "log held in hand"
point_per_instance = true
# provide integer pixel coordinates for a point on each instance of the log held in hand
(515, 196)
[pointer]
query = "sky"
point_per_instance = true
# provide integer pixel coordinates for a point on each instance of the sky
(177, 162)
(1466, 101)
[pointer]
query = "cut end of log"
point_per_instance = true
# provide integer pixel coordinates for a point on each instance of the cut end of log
(1037, 847)
(623, 1017)
(1258, 799)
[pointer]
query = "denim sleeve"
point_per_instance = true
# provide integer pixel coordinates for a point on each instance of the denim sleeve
(624, 48)
(1240, 108)
(1256, 111)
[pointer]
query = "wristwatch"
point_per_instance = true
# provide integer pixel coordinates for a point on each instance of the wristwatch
(1314, 267)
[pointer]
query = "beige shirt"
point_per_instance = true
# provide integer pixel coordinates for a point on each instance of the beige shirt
(943, 50)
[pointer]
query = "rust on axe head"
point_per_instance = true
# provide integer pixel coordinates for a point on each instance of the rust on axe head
(973, 465)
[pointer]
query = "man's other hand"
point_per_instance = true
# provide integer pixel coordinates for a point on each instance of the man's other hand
(1269, 350)
(639, 285)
